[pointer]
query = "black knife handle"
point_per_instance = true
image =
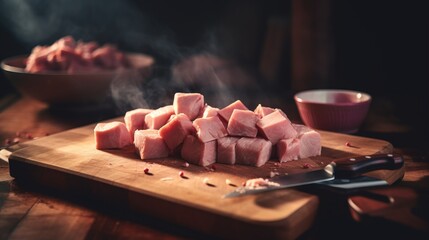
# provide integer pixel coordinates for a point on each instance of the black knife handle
(355, 166)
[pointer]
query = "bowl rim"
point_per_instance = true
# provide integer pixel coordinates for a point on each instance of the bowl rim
(7, 67)
(366, 97)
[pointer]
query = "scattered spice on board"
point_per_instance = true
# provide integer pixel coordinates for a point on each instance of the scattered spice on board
(7, 141)
(274, 173)
(29, 136)
(306, 165)
(206, 182)
(229, 182)
(210, 168)
(166, 179)
(182, 175)
(19, 137)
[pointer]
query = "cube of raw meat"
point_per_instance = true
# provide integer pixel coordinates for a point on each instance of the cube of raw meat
(226, 112)
(226, 150)
(262, 111)
(242, 123)
(306, 144)
(276, 126)
(210, 112)
(190, 104)
(301, 129)
(111, 135)
(159, 117)
(196, 152)
(310, 141)
(134, 120)
(209, 129)
(149, 144)
(288, 149)
(175, 131)
(252, 151)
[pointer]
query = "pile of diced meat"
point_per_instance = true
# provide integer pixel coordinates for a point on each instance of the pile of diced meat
(70, 56)
(203, 135)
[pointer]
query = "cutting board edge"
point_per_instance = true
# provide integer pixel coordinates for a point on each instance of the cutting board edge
(254, 220)
(288, 228)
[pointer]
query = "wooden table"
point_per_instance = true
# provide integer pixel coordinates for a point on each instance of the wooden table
(28, 213)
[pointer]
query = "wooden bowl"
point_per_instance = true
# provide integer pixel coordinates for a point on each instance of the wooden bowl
(62, 88)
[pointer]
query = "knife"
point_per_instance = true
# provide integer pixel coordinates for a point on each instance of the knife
(344, 168)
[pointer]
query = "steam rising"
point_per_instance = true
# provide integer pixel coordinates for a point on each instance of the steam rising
(41, 22)
(126, 91)
(131, 90)
(36, 22)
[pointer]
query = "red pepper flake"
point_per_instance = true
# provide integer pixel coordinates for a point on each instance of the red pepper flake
(348, 144)
(182, 175)
(146, 170)
(8, 141)
(29, 136)
(16, 140)
(243, 184)
(306, 165)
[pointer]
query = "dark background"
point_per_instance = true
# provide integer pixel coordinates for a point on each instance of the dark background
(379, 47)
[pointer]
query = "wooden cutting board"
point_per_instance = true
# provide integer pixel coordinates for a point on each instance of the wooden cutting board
(68, 162)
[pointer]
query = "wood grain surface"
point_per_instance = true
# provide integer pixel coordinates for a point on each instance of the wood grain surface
(69, 162)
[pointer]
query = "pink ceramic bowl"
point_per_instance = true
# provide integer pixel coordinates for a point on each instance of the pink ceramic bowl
(333, 109)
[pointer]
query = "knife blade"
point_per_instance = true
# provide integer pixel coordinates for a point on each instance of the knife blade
(354, 183)
(344, 168)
